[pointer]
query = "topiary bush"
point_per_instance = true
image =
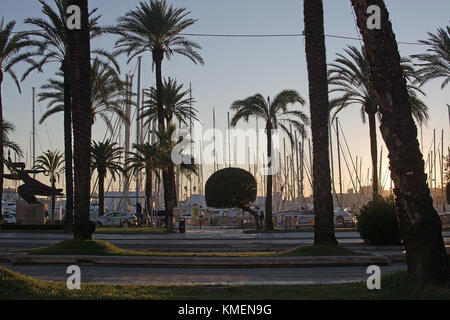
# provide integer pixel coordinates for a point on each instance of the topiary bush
(232, 188)
(378, 223)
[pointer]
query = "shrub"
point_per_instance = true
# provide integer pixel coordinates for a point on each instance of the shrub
(378, 224)
(229, 188)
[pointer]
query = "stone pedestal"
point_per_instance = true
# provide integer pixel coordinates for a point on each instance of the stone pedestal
(30, 213)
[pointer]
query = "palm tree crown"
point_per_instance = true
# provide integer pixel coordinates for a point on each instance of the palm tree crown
(106, 157)
(177, 103)
(52, 163)
(52, 35)
(166, 144)
(436, 62)
(107, 92)
(155, 27)
(349, 76)
(275, 113)
(12, 46)
(9, 128)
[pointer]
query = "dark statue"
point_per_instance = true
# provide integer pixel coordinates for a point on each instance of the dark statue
(31, 187)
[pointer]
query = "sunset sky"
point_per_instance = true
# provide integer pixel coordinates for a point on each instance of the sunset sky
(236, 68)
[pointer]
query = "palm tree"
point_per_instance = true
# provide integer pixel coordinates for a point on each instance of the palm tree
(145, 158)
(155, 27)
(177, 104)
(436, 62)
(106, 94)
(165, 147)
(52, 164)
(318, 99)
(12, 46)
(105, 157)
(52, 40)
(349, 76)
(276, 115)
(420, 226)
(79, 51)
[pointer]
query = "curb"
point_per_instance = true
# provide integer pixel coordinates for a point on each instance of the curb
(198, 262)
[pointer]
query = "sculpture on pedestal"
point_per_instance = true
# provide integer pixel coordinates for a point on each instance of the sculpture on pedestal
(31, 187)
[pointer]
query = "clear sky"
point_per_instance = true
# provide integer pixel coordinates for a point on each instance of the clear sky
(239, 67)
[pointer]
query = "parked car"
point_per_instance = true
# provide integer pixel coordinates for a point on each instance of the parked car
(9, 218)
(118, 219)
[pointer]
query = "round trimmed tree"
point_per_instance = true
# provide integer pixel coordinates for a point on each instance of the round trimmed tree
(232, 188)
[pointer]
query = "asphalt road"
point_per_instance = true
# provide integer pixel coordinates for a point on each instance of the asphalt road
(194, 276)
(194, 241)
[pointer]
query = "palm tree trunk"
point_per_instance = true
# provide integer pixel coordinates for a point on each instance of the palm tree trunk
(157, 58)
(318, 97)
(420, 226)
(168, 175)
(53, 202)
(101, 193)
(1, 146)
(374, 154)
(175, 198)
(268, 202)
(79, 48)
(148, 192)
(168, 184)
(68, 172)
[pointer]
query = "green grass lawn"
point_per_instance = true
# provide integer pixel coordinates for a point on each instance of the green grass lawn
(103, 248)
(393, 287)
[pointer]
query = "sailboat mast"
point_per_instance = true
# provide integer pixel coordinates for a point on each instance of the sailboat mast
(442, 170)
(190, 133)
(34, 130)
(138, 127)
(214, 138)
(339, 162)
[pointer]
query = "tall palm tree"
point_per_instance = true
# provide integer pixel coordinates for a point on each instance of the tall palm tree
(435, 63)
(177, 103)
(105, 157)
(165, 147)
(106, 94)
(12, 47)
(276, 115)
(52, 164)
(318, 99)
(145, 158)
(52, 41)
(349, 76)
(79, 50)
(420, 226)
(155, 27)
